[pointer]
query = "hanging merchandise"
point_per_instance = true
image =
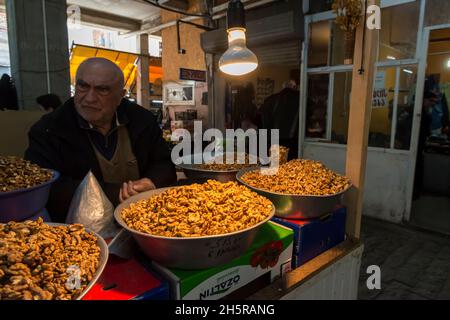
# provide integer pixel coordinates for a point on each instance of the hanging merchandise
(349, 13)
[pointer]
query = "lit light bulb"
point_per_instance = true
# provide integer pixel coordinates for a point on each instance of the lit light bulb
(448, 63)
(238, 59)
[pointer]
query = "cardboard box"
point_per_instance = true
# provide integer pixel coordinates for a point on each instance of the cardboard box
(271, 252)
(128, 279)
(314, 236)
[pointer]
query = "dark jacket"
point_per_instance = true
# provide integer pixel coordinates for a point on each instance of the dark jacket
(280, 111)
(57, 142)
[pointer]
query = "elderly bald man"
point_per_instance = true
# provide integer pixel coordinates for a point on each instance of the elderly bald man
(99, 130)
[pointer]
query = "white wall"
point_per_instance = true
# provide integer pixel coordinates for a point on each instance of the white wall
(386, 178)
(85, 35)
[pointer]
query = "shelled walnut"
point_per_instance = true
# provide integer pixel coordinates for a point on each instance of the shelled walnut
(196, 210)
(299, 177)
(42, 262)
(17, 173)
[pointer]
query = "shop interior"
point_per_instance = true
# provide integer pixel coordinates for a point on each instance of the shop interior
(431, 198)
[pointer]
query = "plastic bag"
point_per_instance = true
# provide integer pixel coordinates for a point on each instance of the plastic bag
(92, 208)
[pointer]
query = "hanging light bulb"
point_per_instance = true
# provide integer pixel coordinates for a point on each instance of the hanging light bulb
(238, 59)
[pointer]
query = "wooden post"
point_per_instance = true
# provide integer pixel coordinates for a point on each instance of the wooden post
(359, 121)
(142, 77)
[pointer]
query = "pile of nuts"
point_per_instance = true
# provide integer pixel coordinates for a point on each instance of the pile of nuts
(281, 152)
(196, 210)
(219, 163)
(16, 173)
(42, 262)
(299, 177)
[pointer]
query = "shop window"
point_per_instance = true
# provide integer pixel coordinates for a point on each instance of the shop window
(316, 6)
(317, 104)
(319, 36)
(398, 34)
(436, 12)
(382, 104)
(341, 107)
(405, 107)
(337, 45)
(326, 44)
(4, 47)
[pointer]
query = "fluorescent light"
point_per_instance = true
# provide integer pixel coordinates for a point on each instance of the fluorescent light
(391, 58)
(448, 63)
(408, 71)
(157, 101)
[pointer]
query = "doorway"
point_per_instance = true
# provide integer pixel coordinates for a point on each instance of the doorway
(430, 207)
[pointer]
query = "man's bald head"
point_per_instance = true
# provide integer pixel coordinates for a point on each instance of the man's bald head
(105, 65)
(99, 91)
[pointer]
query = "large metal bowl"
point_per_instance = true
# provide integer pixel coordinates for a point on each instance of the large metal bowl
(194, 171)
(190, 252)
(291, 206)
(102, 260)
(21, 204)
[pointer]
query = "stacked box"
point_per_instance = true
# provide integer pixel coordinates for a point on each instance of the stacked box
(271, 252)
(314, 236)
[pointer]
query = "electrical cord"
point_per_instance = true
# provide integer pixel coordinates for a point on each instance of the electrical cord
(156, 4)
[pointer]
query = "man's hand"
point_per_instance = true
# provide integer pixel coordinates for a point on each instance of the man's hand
(134, 187)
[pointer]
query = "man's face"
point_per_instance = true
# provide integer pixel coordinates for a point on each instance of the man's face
(98, 93)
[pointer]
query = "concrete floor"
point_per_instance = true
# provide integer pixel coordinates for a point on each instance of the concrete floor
(415, 264)
(432, 212)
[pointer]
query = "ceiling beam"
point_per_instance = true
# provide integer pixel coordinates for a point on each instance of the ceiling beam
(106, 20)
(177, 4)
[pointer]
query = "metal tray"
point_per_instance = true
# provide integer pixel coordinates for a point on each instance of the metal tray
(291, 206)
(190, 252)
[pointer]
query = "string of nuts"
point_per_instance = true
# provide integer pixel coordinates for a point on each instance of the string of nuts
(211, 208)
(42, 262)
(17, 173)
(299, 177)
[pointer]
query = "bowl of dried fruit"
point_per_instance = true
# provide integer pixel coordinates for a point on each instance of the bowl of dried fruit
(299, 189)
(24, 188)
(49, 261)
(196, 226)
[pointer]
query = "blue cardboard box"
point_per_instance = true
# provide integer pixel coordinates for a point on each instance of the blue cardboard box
(314, 236)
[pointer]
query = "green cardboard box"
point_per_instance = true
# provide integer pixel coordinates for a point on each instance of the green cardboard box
(270, 252)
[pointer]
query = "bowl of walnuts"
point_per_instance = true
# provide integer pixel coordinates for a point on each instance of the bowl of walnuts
(49, 261)
(195, 226)
(299, 189)
(24, 188)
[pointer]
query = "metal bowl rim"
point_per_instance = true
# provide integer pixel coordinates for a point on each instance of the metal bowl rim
(245, 170)
(194, 168)
(55, 177)
(124, 225)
